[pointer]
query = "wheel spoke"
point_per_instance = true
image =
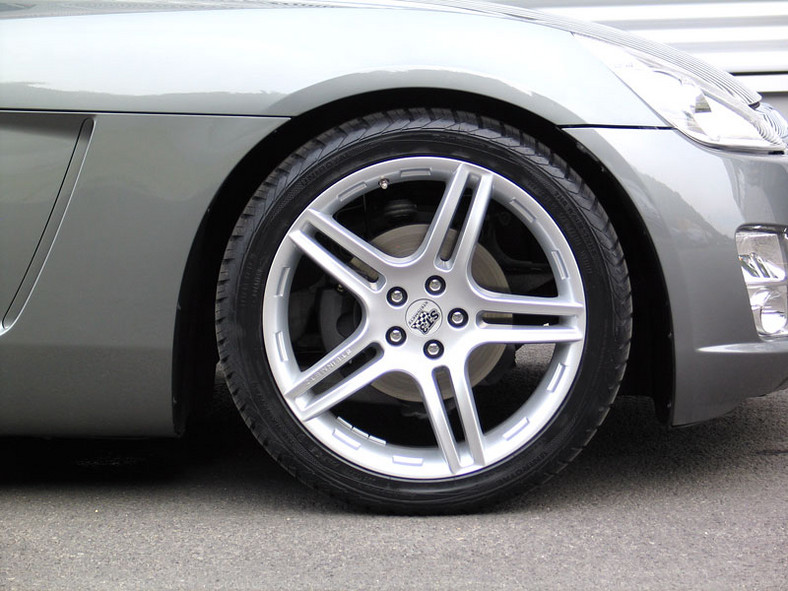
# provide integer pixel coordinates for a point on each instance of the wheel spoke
(528, 305)
(472, 227)
(361, 249)
(344, 389)
(330, 362)
(433, 401)
(332, 265)
(436, 234)
(507, 333)
(466, 405)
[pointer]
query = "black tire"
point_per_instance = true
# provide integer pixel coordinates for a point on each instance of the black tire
(534, 222)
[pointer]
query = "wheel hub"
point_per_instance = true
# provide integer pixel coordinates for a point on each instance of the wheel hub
(423, 317)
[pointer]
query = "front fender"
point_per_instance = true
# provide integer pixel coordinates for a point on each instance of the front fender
(283, 62)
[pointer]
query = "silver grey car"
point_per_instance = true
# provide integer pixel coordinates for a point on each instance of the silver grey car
(427, 243)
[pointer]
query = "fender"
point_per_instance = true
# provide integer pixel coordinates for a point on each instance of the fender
(276, 62)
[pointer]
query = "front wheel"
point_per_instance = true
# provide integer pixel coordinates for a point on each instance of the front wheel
(423, 311)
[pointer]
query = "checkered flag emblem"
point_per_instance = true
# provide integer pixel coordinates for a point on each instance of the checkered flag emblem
(423, 321)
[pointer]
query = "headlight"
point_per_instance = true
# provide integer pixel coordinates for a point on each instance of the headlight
(697, 108)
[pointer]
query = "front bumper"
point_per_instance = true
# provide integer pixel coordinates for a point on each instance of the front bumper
(692, 200)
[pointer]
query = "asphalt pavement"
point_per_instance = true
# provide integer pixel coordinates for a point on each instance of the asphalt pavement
(641, 508)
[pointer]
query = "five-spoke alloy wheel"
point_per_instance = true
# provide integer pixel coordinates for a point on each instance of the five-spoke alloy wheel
(423, 311)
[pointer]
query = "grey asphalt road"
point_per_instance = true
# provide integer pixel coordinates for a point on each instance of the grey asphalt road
(641, 508)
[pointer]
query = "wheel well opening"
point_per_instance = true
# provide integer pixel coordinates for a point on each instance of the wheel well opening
(195, 351)
(650, 370)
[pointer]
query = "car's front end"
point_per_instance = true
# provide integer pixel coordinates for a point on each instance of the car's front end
(427, 242)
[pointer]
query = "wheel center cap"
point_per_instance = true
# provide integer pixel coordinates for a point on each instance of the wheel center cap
(423, 317)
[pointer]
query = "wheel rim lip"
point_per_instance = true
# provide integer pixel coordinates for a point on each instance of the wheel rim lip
(426, 463)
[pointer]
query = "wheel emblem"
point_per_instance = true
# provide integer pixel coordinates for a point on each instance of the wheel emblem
(424, 317)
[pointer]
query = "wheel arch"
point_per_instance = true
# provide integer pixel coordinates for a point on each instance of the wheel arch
(194, 347)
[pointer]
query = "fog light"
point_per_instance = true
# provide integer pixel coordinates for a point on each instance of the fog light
(762, 255)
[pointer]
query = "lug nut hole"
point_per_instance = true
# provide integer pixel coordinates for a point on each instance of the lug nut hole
(395, 336)
(435, 285)
(433, 349)
(458, 318)
(397, 296)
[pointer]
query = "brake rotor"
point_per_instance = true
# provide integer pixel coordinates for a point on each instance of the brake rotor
(403, 241)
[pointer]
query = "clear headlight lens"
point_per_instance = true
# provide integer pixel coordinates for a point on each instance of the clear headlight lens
(698, 109)
(762, 256)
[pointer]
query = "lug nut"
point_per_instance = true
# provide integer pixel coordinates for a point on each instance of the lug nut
(397, 296)
(395, 336)
(435, 285)
(433, 349)
(458, 318)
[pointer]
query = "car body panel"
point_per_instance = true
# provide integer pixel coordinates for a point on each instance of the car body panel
(233, 62)
(37, 150)
(91, 351)
(719, 357)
